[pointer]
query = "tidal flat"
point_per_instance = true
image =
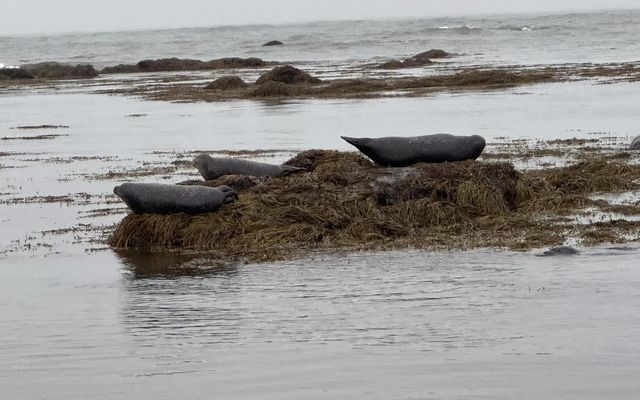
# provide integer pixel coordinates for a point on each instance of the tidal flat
(473, 313)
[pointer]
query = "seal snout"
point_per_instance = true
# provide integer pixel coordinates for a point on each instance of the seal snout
(230, 194)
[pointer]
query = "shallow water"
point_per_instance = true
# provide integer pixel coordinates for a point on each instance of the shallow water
(480, 324)
(82, 321)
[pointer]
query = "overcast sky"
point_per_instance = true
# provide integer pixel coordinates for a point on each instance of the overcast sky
(43, 16)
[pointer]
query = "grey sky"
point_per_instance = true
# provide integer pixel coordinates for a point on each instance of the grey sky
(38, 16)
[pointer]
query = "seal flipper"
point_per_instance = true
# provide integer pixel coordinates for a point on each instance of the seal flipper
(290, 169)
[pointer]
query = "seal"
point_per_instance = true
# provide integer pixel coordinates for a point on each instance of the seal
(394, 151)
(635, 143)
(215, 167)
(560, 251)
(157, 198)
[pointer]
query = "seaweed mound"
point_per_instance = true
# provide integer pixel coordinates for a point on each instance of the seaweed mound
(15, 73)
(179, 64)
(56, 70)
(480, 77)
(393, 64)
(272, 89)
(227, 83)
(287, 74)
(343, 201)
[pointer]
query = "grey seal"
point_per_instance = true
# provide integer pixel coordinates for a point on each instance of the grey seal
(560, 251)
(635, 143)
(215, 167)
(157, 198)
(394, 151)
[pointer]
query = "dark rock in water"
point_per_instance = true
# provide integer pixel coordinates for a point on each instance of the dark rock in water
(393, 64)
(397, 151)
(15, 73)
(226, 83)
(273, 43)
(155, 198)
(215, 167)
(635, 143)
(431, 54)
(178, 64)
(560, 251)
(56, 70)
(287, 74)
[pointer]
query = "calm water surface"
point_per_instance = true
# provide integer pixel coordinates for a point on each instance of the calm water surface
(480, 324)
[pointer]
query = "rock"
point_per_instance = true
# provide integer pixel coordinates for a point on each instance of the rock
(179, 64)
(56, 70)
(287, 74)
(635, 143)
(226, 83)
(15, 73)
(273, 43)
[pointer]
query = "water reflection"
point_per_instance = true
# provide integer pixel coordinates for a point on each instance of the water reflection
(171, 296)
(407, 298)
(143, 264)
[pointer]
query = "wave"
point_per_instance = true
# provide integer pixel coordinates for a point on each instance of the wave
(461, 28)
(524, 28)
(7, 66)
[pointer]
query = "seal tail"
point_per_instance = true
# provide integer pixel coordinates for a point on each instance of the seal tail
(352, 141)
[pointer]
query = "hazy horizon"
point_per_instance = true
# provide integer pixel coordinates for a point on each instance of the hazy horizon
(130, 15)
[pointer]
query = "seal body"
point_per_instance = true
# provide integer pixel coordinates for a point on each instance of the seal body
(215, 167)
(635, 143)
(156, 198)
(560, 251)
(396, 151)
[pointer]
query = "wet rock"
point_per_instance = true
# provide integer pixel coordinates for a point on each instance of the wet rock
(56, 70)
(287, 74)
(635, 143)
(15, 73)
(273, 43)
(179, 64)
(560, 251)
(228, 82)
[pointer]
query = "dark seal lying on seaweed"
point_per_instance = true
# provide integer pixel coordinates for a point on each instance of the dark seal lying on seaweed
(214, 167)
(396, 151)
(156, 198)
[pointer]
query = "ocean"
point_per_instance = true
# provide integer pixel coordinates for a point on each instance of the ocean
(81, 320)
(516, 39)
